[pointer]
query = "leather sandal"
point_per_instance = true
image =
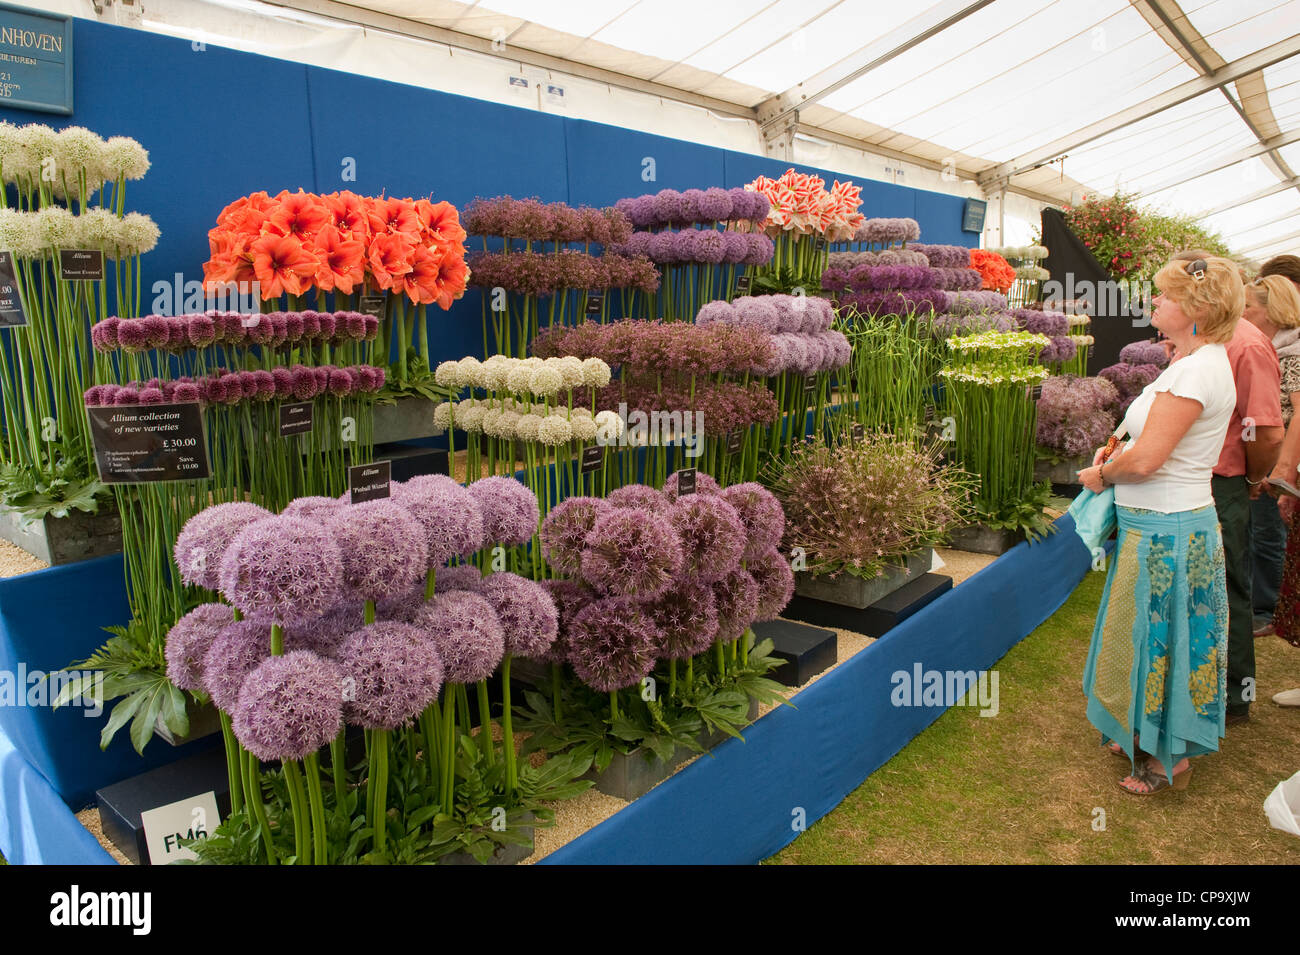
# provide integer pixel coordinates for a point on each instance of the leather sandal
(1147, 782)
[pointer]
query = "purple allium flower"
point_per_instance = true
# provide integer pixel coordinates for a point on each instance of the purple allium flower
(188, 642)
(687, 619)
(325, 634)
(509, 509)
(394, 673)
(107, 333)
(736, 247)
(311, 508)
(639, 496)
(570, 596)
(1051, 324)
(203, 540)
(761, 249)
(1144, 353)
(127, 395)
(760, 512)
(737, 599)
(717, 311)
(712, 535)
(401, 607)
(762, 313)
(186, 392)
(465, 629)
(632, 553)
(1129, 380)
(284, 568)
(612, 644)
(289, 706)
(458, 577)
(233, 653)
(775, 580)
(703, 485)
(383, 547)
(565, 530)
(449, 514)
(529, 617)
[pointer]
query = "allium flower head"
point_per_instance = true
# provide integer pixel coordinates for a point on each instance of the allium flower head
(325, 634)
(234, 652)
(289, 706)
(632, 553)
(203, 540)
(639, 496)
(448, 514)
(687, 619)
(760, 512)
(393, 673)
(528, 615)
(282, 568)
(465, 629)
(775, 580)
(458, 577)
(570, 596)
(612, 644)
(510, 512)
(712, 535)
(564, 532)
(311, 508)
(737, 599)
(384, 548)
(703, 485)
(188, 642)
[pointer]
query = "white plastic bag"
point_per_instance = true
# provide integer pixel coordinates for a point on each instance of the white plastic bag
(1283, 806)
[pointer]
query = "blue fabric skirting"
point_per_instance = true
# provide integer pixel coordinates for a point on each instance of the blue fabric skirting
(1157, 667)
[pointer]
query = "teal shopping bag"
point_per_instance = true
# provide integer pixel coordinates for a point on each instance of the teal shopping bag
(1094, 517)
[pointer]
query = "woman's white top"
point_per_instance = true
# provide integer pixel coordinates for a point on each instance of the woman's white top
(1183, 482)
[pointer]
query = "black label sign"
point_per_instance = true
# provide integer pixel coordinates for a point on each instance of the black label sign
(372, 305)
(81, 265)
(857, 433)
(819, 245)
(12, 312)
(930, 412)
(685, 481)
(1034, 392)
(743, 284)
(809, 384)
(370, 482)
(144, 444)
(296, 418)
(592, 458)
(595, 302)
(734, 440)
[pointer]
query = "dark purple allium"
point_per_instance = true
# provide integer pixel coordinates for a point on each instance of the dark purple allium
(737, 599)
(458, 577)
(775, 580)
(760, 512)
(203, 540)
(612, 644)
(712, 535)
(383, 548)
(1129, 380)
(390, 674)
(570, 596)
(1076, 415)
(509, 509)
(1051, 324)
(1144, 353)
(289, 706)
(703, 485)
(687, 619)
(465, 629)
(639, 496)
(632, 553)
(449, 514)
(283, 568)
(188, 642)
(529, 617)
(565, 530)
(232, 655)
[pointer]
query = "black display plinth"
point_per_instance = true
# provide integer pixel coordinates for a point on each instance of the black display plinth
(806, 650)
(121, 804)
(410, 460)
(880, 617)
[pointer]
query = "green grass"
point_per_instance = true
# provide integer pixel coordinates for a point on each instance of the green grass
(1023, 786)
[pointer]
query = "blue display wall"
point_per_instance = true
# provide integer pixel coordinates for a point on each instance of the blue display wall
(219, 124)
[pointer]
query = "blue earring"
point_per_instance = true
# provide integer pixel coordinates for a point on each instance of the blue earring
(1193, 328)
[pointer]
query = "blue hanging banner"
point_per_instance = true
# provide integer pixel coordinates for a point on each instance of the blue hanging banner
(35, 60)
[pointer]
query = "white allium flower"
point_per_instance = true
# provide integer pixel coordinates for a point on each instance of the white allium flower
(509, 419)
(595, 373)
(532, 361)
(137, 233)
(495, 375)
(447, 374)
(20, 234)
(584, 428)
(609, 426)
(580, 412)
(528, 427)
(98, 229)
(77, 150)
(469, 419)
(546, 381)
(442, 416)
(57, 228)
(492, 422)
(38, 145)
(571, 371)
(123, 156)
(13, 155)
(555, 430)
(472, 373)
(519, 380)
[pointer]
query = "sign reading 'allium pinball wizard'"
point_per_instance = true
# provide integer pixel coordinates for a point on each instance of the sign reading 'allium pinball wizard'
(35, 60)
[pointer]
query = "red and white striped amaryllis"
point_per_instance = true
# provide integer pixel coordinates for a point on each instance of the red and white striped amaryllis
(801, 203)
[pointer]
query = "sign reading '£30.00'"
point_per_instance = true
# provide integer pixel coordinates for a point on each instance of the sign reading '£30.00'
(35, 60)
(142, 444)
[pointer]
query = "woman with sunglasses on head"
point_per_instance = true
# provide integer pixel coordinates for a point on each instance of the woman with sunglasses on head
(1155, 674)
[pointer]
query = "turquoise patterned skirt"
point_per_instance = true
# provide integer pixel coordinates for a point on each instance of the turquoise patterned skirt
(1157, 667)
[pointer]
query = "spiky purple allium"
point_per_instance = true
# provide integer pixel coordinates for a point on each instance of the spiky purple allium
(188, 642)
(703, 485)
(383, 548)
(737, 597)
(1144, 353)
(639, 496)
(203, 540)
(325, 634)
(448, 513)
(631, 553)
(289, 706)
(570, 596)
(391, 672)
(529, 618)
(712, 535)
(282, 568)
(311, 508)
(236, 650)
(465, 629)
(458, 577)
(401, 607)
(565, 530)
(687, 619)
(612, 644)
(760, 512)
(509, 509)
(771, 571)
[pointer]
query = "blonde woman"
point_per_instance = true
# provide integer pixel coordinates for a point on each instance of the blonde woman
(1156, 673)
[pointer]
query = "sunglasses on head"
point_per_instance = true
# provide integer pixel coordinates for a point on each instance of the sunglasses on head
(1197, 269)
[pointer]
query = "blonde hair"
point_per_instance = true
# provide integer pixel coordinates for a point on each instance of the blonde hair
(1214, 301)
(1279, 296)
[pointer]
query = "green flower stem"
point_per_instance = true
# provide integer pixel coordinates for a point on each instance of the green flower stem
(672, 678)
(316, 798)
(555, 692)
(370, 612)
(449, 746)
(253, 790)
(613, 706)
(339, 766)
(507, 729)
(722, 658)
(233, 763)
(297, 804)
(277, 640)
(429, 581)
(379, 782)
(485, 724)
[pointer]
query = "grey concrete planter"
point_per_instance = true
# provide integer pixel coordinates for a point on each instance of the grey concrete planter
(849, 591)
(1065, 472)
(65, 540)
(505, 855)
(406, 419)
(204, 721)
(635, 774)
(979, 539)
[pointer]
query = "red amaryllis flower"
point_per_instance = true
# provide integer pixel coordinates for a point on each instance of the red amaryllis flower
(281, 264)
(298, 214)
(394, 216)
(421, 283)
(342, 261)
(389, 256)
(350, 212)
(439, 222)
